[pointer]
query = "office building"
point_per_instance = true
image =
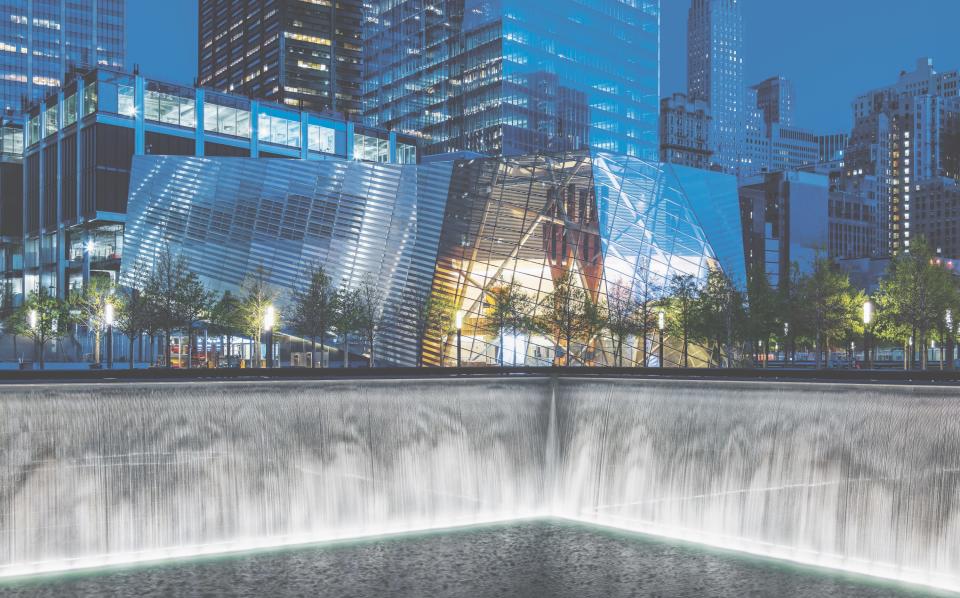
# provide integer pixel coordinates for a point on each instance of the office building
(304, 54)
(831, 148)
(715, 75)
(80, 142)
(775, 99)
(785, 220)
(455, 230)
(42, 40)
(685, 132)
(515, 77)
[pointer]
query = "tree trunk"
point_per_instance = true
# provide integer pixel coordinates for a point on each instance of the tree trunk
(189, 347)
(96, 345)
(43, 361)
(370, 340)
(313, 352)
(346, 351)
(131, 339)
(643, 343)
(566, 356)
(168, 333)
(323, 342)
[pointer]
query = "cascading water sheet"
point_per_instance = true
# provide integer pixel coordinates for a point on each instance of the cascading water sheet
(863, 478)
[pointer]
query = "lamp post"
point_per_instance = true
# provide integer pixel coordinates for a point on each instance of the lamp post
(108, 320)
(459, 322)
(661, 324)
(948, 341)
(867, 320)
(268, 317)
(786, 342)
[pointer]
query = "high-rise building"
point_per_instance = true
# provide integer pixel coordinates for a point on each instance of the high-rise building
(303, 54)
(715, 74)
(685, 132)
(514, 77)
(904, 136)
(775, 99)
(784, 216)
(42, 40)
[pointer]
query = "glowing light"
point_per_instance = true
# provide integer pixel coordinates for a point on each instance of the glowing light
(661, 320)
(32, 319)
(269, 317)
(868, 312)
(108, 314)
(459, 320)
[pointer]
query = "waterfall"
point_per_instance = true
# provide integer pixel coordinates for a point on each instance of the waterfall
(863, 478)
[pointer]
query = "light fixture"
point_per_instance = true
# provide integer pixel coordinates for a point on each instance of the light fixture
(108, 314)
(661, 320)
(32, 319)
(268, 317)
(868, 312)
(459, 320)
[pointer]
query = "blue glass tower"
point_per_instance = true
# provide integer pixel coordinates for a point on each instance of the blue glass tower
(40, 40)
(508, 77)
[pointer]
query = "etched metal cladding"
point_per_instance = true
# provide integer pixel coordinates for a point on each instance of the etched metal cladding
(458, 229)
(230, 216)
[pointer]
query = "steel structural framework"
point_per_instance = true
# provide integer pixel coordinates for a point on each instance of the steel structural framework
(455, 231)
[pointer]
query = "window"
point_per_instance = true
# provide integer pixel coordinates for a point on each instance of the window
(70, 110)
(406, 154)
(90, 98)
(321, 139)
(170, 105)
(226, 120)
(33, 130)
(50, 120)
(370, 149)
(279, 130)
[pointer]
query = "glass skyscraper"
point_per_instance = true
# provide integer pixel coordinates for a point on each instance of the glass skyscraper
(40, 40)
(512, 77)
(715, 75)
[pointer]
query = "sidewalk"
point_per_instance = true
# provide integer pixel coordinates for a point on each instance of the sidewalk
(70, 365)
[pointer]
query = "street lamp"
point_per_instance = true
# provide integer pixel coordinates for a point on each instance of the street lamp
(459, 322)
(32, 319)
(661, 324)
(786, 342)
(269, 314)
(867, 320)
(948, 341)
(108, 316)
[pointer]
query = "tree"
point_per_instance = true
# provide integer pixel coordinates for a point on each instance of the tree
(369, 311)
(622, 321)
(258, 297)
(133, 313)
(193, 306)
(89, 305)
(718, 316)
(42, 318)
(683, 292)
(510, 311)
(593, 321)
(914, 296)
(226, 319)
(162, 292)
(347, 319)
(647, 304)
(830, 307)
(765, 308)
(561, 312)
(313, 308)
(433, 315)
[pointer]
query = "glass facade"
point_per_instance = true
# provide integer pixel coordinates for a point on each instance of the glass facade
(305, 54)
(76, 171)
(618, 227)
(40, 40)
(507, 77)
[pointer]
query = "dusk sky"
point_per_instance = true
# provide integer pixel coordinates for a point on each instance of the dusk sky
(831, 49)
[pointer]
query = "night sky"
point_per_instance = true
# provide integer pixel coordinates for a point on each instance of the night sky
(831, 49)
